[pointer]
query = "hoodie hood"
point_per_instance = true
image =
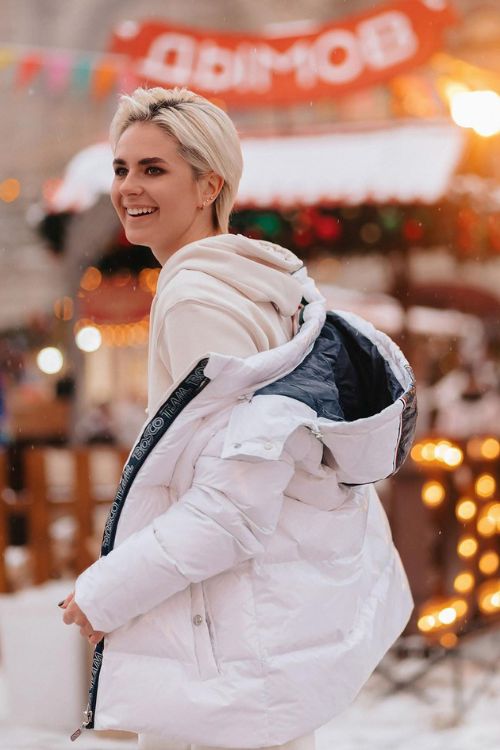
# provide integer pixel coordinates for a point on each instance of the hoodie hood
(260, 270)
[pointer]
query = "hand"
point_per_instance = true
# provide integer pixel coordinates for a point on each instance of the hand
(73, 614)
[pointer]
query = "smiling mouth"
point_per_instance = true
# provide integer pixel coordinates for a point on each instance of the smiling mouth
(141, 215)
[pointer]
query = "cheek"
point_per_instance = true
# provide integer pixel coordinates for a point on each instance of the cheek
(114, 195)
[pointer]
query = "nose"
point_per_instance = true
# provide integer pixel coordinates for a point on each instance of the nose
(130, 185)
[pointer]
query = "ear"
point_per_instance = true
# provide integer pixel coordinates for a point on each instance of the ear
(210, 186)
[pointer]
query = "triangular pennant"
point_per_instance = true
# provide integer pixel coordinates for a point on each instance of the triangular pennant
(57, 69)
(104, 77)
(28, 67)
(7, 57)
(82, 71)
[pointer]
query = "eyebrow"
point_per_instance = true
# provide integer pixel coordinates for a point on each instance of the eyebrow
(147, 160)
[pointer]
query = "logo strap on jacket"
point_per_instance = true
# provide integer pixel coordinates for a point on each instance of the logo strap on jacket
(152, 433)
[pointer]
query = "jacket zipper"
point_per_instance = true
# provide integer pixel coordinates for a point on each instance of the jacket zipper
(88, 718)
(109, 534)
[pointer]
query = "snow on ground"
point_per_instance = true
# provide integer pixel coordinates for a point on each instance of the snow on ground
(429, 717)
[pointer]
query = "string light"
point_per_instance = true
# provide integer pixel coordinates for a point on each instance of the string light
(433, 493)
(91, 279)
(467, 546)
(440, 614)
(488, 563)
(488, 597)
(485, 485)
(489, 520)
(443, 453)
(464, 582)
(490, 449)
(465, 509)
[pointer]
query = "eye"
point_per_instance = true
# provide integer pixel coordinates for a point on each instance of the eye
(158, 170)
(119, 171)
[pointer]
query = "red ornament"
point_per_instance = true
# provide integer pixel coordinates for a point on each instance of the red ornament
(328, 227)
(303, 237)
(413, 230)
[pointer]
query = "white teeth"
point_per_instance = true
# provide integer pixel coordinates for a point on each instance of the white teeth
(140, 211)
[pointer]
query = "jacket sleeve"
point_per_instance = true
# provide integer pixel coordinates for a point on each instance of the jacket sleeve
(227, 516)
(192, 329)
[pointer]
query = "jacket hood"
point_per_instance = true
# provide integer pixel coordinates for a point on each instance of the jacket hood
(260, 270)
(354, 389)
(361, 390)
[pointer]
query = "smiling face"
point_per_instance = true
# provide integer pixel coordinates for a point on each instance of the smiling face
(155, 193)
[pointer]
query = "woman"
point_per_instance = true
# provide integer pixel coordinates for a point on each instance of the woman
(248, 584)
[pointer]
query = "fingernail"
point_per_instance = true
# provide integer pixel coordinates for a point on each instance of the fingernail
(61, 602)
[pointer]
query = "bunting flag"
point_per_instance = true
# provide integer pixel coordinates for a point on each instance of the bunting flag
(61, 70)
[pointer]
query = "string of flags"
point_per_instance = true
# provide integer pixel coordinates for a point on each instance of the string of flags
(62, 70)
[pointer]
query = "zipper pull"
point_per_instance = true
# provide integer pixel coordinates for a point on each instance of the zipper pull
(88, 718)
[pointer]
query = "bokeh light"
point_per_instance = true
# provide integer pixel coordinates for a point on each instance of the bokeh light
(433, 493)
(88, 339)
(50, 360)
(91, 279)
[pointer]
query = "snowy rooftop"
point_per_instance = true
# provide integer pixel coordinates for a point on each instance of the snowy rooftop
(400, 163)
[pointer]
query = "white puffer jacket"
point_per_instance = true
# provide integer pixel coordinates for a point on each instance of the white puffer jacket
(248, 582)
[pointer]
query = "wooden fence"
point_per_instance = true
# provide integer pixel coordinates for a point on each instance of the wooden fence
(66, 496)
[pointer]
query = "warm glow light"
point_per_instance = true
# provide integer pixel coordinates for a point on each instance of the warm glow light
(428, 451)
(466, 509)
(453, 456)
(460, 607)
(488, 563)
(464, 582)
(474, 448)
(439, 614)
(441, 448)
(485, 485)
(91, 279)
(148, 279)
(416, 452)
(433, 493)
(488, 597)
(489, 520)
(426, 623)
(448, 640)
(467, 546)
(63, 308)
(479, 110)
(447, 616)
(88, 339)
(49, 360)
(490, 449)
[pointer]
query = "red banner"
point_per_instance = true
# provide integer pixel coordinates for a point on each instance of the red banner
(250, 69)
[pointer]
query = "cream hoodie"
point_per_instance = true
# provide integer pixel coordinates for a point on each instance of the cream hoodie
(227, 294)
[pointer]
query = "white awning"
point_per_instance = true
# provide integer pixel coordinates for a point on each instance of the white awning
(401, 163)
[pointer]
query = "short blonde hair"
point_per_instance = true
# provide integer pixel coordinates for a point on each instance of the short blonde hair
(207, 137)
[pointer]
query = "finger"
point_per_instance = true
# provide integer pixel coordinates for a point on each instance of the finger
(74, 615)
(96, 637)
(65, 602)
